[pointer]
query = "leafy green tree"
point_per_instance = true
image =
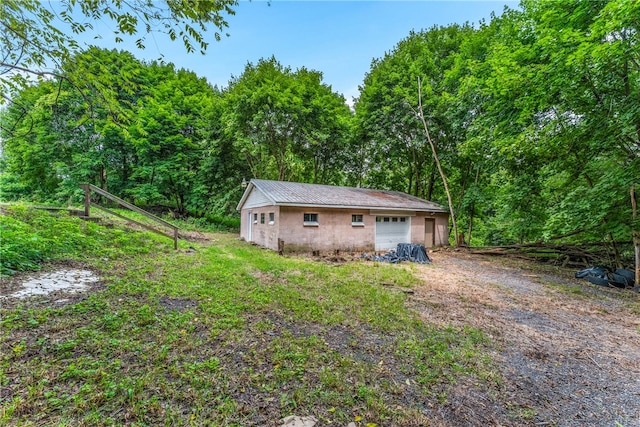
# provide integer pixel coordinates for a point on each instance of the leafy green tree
(31, 152)
(50, 119)
(392, 146)
(562, 112)
(53, 146)
(407, 118)
(38, 40)
(325, 131)
(288, 125)
(222, 167)
(168, 136)
(386, 110)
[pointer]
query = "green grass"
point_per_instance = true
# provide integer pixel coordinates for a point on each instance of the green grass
(30, 237)
(576, 291)
(227, 335)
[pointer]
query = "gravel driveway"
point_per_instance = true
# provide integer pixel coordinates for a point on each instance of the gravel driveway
(567, 352)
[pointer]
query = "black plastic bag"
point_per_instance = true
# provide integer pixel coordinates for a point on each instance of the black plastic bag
(412, 252)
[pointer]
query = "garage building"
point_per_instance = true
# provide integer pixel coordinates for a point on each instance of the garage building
(312, 217)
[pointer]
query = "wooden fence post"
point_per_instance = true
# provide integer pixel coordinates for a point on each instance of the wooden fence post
(87, 200)
(87, 206)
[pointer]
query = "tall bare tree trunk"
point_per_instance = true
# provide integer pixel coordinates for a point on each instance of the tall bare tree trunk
(473, 207)
(635, 233)
(437, 160)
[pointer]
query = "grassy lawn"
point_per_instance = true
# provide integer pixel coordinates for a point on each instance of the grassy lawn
(228, 334)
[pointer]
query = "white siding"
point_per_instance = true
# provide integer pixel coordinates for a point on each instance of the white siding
(256, 199)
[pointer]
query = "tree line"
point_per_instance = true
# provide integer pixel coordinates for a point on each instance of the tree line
(534, 117)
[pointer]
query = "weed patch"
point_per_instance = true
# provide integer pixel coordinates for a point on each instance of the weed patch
(31, 237)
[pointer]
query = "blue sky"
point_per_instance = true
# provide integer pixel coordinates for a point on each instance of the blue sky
(337, 38)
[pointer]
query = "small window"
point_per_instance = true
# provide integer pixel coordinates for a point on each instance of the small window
(262, 218)
(403, 219)
(255, 218)
(378, 219)
(357, 220)
(394, 219)
(272, 217)
(311, 219)
(385, 219)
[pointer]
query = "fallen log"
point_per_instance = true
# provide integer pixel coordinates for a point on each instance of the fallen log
(567, 255)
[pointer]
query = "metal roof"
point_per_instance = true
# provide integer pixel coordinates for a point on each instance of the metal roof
(284, 193)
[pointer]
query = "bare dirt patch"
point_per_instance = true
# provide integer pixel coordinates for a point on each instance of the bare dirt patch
(202, 238)
(59, 283)
(568, 352)
(178, 304)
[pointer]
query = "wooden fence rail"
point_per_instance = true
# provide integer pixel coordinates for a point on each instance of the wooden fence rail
(88, 188)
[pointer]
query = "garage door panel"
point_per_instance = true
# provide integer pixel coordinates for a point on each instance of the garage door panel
(389, 234)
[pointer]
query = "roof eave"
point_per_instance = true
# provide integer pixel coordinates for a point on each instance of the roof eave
(377, 208)
(246, 193)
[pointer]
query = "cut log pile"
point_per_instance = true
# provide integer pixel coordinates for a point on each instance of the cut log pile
(598, 263)
(566, 255)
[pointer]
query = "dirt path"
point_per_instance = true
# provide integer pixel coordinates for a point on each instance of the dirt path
(568, 352)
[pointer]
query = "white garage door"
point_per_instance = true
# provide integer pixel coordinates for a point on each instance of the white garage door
(391, 230)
